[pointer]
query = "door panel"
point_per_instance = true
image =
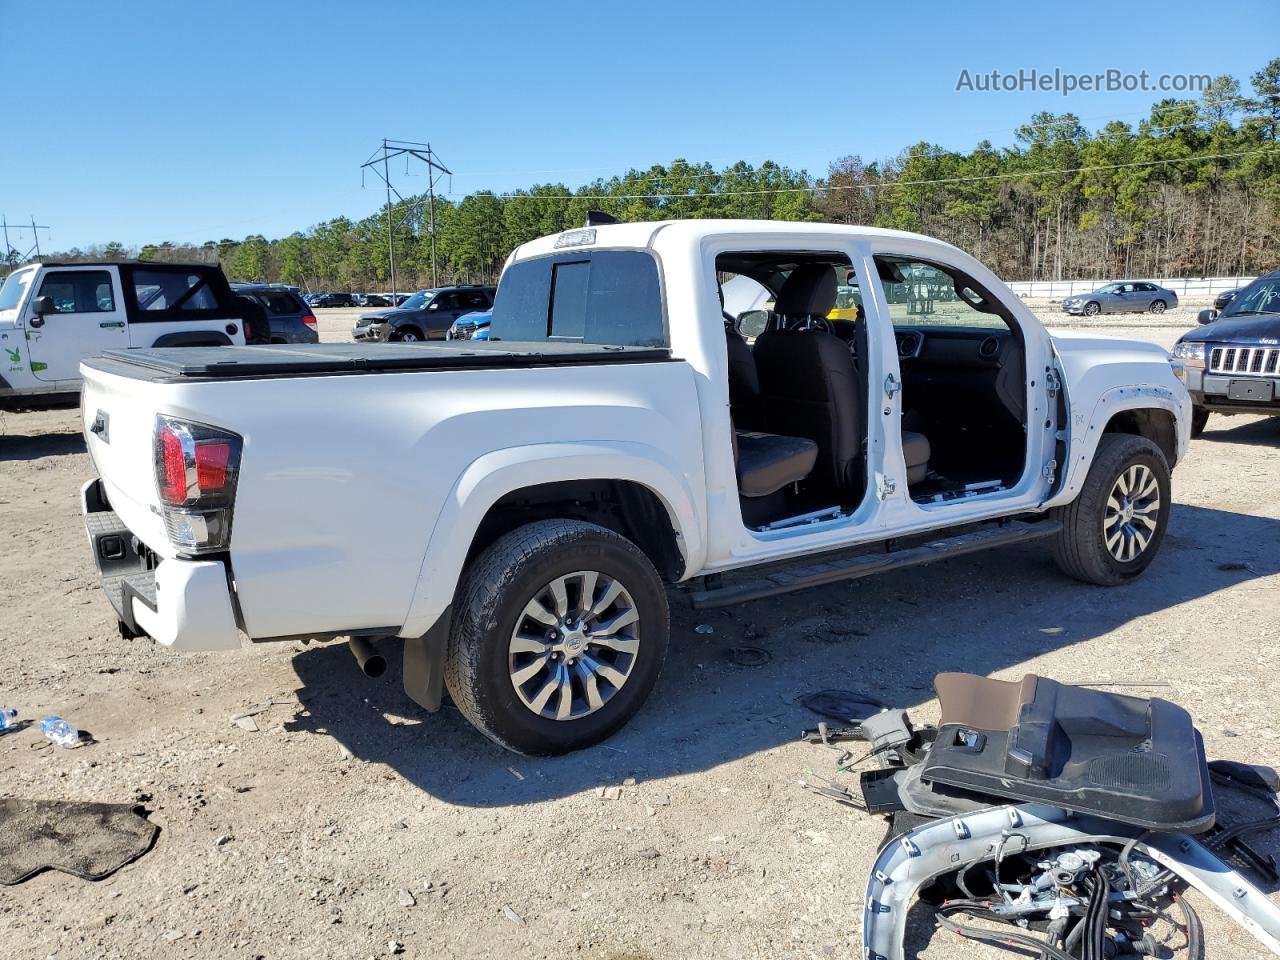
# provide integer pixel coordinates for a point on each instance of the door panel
(88, 317)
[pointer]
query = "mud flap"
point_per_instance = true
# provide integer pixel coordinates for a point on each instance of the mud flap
(424, 663)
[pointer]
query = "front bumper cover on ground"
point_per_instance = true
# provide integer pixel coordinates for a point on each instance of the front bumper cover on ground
(910, 862)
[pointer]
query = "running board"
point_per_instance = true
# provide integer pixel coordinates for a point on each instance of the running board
(792, 578)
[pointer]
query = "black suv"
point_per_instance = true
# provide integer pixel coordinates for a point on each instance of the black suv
(290, 320)
(1233, 360)
(427, 315)
(332, 300)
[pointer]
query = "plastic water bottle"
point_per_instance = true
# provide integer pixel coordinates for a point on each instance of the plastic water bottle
(8, 719)
(60, 732)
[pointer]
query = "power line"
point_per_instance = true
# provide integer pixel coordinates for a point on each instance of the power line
(435, 170)
(884, 185)
(11, 252)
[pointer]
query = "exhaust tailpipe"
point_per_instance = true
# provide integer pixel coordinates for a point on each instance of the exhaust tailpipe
(371, 661)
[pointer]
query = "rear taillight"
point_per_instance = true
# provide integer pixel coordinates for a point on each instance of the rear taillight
(196, 470)
(309, 319)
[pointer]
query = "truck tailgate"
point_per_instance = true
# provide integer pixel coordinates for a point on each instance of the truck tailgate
(119, 417)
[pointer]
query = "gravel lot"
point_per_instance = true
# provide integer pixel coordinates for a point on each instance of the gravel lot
(360, 826)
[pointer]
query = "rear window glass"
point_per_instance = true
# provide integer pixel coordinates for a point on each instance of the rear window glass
(173, 291)
(611, 297)
(279, 303)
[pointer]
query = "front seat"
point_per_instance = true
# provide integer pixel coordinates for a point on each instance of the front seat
(808, 384)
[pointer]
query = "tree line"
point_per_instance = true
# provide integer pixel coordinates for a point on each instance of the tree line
(1191, 190)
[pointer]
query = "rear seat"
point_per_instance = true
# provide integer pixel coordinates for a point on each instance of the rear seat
(766, 462)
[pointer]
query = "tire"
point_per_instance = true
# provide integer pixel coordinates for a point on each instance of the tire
(1199, 419)
(1158, 306)
(1081, 547)
(408, 335)
(491, 625)
(1092, 309)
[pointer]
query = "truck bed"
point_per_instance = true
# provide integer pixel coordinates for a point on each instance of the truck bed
(330, 359)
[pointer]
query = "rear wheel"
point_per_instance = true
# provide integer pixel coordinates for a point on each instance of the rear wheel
(1113, 529)
(1091, 309)
(1199, 419)
(1158, 306)
(558, 637)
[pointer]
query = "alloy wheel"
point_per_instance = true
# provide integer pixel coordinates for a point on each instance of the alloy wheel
(574, 645)
(1132, 513)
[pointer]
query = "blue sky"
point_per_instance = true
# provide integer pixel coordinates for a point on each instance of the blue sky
(147, 120)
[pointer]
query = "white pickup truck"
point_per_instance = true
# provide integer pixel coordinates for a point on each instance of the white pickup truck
(513, 510)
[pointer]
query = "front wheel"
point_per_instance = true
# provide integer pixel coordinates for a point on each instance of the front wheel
(558, 637)
(1091, 309)
(1113, 529)
(407, 335)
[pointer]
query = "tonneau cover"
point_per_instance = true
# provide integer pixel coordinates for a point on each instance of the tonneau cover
(300, 360)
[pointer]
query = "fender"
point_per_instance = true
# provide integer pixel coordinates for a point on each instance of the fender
(906, 864)
(494, 475)
(1086, 433)
(194, 338)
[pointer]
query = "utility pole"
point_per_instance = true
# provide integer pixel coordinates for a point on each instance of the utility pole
(435, 170)
(10, 250)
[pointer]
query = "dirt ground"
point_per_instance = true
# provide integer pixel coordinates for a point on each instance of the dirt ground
(353, 824)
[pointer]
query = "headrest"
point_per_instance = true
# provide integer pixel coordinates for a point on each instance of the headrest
(810, 290)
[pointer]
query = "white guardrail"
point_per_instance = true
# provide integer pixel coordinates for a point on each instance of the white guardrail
(1182, 286)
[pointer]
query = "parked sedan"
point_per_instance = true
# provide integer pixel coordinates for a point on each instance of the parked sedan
(289, 318)
(1124, 296)
(332, 300)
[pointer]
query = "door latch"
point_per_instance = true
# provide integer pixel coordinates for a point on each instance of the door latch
(891, 386)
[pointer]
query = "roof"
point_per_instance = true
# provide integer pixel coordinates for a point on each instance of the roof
(654, 233)
(149, 264)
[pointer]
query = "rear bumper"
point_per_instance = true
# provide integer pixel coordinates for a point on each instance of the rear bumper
(183, 604)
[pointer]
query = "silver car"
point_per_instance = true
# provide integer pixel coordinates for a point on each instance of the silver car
(1123, 296)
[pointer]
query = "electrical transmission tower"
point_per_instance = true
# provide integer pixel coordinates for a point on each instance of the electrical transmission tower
(12, 255)
(435, 171)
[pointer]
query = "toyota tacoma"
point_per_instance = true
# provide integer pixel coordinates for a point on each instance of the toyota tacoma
(516, 525)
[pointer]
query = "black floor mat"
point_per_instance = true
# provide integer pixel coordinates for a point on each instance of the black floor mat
(88, 840)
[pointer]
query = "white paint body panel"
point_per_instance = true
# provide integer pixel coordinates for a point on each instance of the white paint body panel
(359, 495)
(65, 339)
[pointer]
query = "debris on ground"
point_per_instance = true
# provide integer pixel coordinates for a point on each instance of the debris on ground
(705, 629)
(8, 719)
(60, 732)
(748, 656)
(86, 840)
(512, 916)
(406, 898)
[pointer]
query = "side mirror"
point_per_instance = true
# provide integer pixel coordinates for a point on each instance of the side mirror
(42, 305)
(752, 323)
(1207, 316)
